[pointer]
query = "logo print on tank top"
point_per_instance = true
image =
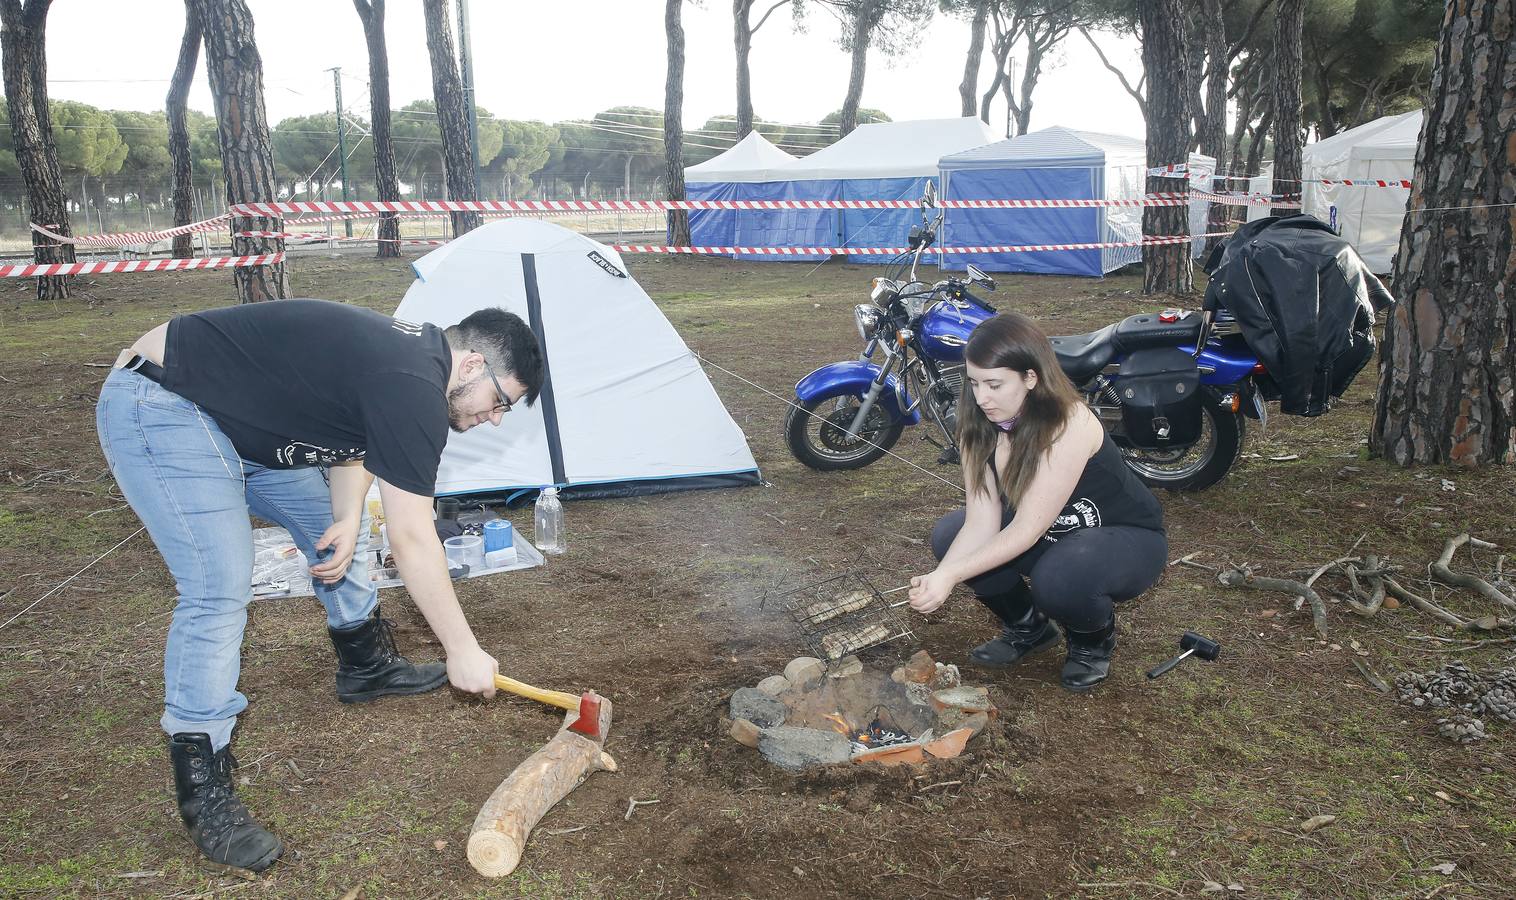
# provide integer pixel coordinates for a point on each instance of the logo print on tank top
(1081, 513)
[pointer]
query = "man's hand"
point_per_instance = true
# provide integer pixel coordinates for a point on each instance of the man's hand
(341, 538)
(930, 591)
(473, 671)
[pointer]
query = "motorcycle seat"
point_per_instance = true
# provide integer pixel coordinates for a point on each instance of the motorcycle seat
(1082, 355)
(1145, 330)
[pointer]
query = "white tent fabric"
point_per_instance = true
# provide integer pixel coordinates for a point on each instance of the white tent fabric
(908, 149)
(1262, 183)
(1368, 217)
(627, 408)
(754, 158)
(1057, 163)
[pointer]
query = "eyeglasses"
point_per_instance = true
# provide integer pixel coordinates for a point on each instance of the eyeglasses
(505, 404)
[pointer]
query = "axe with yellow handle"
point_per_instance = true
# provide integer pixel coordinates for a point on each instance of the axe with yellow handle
(587, 704)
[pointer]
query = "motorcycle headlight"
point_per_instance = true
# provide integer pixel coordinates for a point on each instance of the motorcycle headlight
(867, 317)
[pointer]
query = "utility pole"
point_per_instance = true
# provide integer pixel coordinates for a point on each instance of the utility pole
(466, 51)
(347, 223)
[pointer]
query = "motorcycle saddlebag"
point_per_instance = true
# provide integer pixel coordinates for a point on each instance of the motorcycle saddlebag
(1160, 398)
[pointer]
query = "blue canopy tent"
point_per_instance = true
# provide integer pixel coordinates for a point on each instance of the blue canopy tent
(883, 161)
(1054, 164)
(751, 170)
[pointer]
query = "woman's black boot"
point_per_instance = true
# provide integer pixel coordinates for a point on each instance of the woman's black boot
(369, 666)
(218, 823)
(1026, 631)
(1089, 660)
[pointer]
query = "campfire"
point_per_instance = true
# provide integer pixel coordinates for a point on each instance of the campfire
(815, 714)
(872, 736)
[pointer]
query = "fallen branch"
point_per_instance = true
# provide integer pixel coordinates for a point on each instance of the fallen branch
(1446, 575)
(1486, 623)
(1371, 677)
(1244, 577)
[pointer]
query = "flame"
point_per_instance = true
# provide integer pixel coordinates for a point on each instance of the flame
(839, 723)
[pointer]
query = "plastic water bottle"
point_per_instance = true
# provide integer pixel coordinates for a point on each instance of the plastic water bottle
(548, 522)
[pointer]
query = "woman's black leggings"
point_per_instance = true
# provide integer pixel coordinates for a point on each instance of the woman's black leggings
(1076, 581)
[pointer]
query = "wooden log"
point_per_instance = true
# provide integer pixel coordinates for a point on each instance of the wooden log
(500, 831)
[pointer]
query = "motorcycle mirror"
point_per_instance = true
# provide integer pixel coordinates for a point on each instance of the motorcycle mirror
(977, 276)
(929, 197)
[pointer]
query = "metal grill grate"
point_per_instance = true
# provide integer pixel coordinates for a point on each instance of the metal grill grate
(843, 614)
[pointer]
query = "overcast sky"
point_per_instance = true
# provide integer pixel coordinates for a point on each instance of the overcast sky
(555, 60)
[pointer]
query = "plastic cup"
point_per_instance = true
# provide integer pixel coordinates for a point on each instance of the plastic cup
(467, 549)
(447, 508)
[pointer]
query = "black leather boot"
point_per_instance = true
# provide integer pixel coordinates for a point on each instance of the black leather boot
(1026, 631)
(369, 666)
(1089, 660)
(218, 823)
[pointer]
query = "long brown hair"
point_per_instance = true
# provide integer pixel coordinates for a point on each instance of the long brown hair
(1012, 341)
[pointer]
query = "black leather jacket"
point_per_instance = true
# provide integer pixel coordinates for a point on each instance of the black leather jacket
(1304, 301)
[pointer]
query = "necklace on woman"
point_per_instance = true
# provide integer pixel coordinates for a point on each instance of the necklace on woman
(1010, 423)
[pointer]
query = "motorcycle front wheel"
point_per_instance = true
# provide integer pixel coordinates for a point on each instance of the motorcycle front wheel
(817, 433)
(1199, 465)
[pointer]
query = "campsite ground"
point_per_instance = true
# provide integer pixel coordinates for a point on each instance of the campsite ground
(1139, 789)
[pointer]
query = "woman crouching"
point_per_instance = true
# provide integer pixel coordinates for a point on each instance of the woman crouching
(1049, 500)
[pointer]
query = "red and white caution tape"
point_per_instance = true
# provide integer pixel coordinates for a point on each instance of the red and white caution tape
(896, 251)
(32, 270)
(134, 238)
(1360, 182)
(374, 207)
(322, 238)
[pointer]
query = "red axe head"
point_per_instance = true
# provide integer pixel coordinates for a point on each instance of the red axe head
(588, 723)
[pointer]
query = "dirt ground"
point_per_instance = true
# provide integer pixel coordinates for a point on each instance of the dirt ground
(1141, 789)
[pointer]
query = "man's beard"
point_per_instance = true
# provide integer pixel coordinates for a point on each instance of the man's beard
(454, 417)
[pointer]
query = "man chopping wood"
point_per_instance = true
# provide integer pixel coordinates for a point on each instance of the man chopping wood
(289, 410)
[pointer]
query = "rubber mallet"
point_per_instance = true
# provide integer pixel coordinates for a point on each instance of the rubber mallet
(1191, 644)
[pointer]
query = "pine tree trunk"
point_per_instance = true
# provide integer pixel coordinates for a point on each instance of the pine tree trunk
(863, 28)
(178, 133)
(968, 88)
(1165, 58)
(1449, 356)
(452, 116)
(23, 45)
(1289, 18)
(1030, 74)
(386, 183)
(235, 71)
(1258, 138)
(673, 121)
(743, 36)
(1213, 139)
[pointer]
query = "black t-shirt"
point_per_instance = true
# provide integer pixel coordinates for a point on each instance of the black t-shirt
(1108, 493)
(311, 382)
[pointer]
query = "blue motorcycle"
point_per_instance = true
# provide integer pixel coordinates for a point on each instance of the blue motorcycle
(1173, 389)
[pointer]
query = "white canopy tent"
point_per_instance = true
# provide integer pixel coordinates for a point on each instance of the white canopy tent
(626, 408)
(754, 158)
(1369, 217)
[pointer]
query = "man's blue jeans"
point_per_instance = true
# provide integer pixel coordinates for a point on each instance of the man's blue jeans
(194, 493)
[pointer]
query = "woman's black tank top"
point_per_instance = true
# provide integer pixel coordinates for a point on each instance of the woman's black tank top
(1108, 493)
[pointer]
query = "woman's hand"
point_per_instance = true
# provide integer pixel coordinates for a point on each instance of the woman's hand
(930, 591)
(342, 538)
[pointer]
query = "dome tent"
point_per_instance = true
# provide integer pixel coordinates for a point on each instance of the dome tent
(625, 407)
